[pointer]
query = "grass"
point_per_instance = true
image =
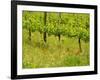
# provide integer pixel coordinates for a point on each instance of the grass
(37, 54)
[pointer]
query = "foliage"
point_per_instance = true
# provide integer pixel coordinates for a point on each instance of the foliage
(69, 24)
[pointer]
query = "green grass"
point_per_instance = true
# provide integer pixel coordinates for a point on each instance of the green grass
(37, 54)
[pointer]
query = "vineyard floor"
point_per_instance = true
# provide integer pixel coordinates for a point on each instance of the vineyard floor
(53, 53)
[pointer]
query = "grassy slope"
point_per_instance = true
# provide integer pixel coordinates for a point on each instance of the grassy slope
(37, 54)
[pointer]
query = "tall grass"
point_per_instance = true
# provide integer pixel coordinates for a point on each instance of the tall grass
(37, 54)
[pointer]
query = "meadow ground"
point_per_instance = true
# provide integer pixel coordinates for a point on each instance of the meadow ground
(37, 54)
